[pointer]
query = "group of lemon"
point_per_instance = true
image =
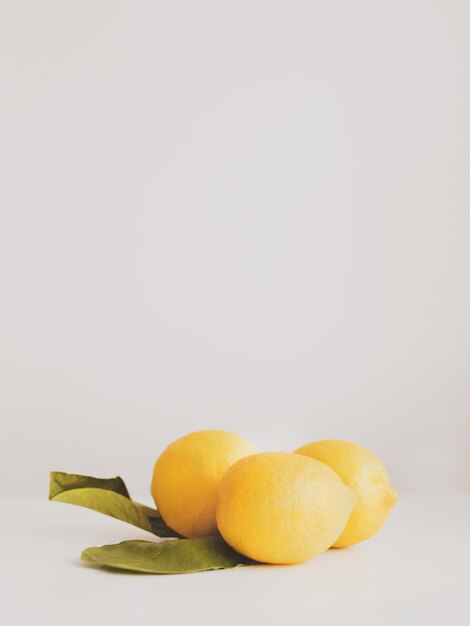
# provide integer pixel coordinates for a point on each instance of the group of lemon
(272, 507)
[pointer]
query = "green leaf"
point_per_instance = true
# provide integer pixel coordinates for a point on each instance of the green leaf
(169, 557)
(60, 482)
(109, 496)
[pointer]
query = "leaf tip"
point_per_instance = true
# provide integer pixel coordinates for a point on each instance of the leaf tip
(86, 556)
(52, 481)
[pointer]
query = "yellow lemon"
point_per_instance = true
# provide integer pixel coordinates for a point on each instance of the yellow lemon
(279, 507)
(361, 470)
(186, 477)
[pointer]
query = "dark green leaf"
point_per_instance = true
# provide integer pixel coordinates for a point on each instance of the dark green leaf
(109, 496)
(169, 557)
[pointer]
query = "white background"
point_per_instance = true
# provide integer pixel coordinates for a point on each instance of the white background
(249, 215)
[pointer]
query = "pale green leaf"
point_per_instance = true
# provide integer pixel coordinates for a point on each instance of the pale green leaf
(170, 557)
(109, 496)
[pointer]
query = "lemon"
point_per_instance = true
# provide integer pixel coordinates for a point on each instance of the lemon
(361, 470)
(279, 507)
(186, 478)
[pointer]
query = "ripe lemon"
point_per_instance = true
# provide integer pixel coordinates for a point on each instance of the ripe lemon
(361, 470)
(279, 507)
(186, 478)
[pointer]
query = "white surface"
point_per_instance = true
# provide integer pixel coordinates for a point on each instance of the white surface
(249, 215)
(414, 572)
